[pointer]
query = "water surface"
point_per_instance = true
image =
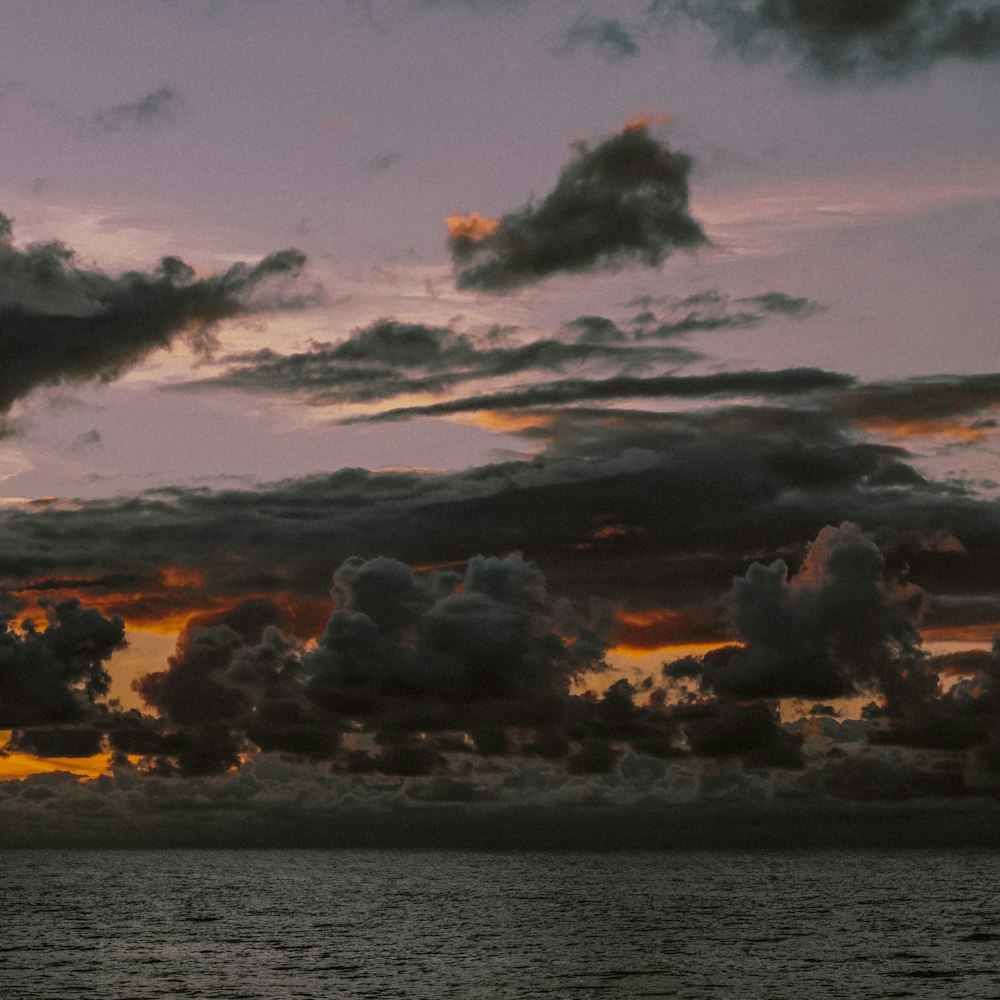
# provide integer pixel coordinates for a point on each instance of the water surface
(325, 925)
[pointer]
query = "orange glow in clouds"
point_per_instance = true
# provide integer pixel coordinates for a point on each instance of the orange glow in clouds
(902, 429)
(505, 423)
(667, 629)
(639, 121)
(172, 577)
(167, 610)
(22, 765)
(474, 227)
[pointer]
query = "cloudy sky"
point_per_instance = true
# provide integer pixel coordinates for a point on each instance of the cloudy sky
(439, 410)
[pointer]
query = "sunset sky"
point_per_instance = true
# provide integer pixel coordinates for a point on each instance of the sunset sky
(442, 411)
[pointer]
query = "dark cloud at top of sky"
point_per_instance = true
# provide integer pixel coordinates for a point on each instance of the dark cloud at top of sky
(150, 113)
(623, 201)
(606, 36)
(60, 322)
(850, 38)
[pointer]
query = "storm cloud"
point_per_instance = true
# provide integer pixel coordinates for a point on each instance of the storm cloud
(624, 201)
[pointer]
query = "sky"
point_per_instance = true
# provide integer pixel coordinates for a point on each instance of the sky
(499, 423)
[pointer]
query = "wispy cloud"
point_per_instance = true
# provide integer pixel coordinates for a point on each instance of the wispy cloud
(608, 37)
(154, 111)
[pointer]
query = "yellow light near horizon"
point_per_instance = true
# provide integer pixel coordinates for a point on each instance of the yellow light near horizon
(21, 765)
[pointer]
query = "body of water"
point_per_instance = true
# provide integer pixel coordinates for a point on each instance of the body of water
(338, 925)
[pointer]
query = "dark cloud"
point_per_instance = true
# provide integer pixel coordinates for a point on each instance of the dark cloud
(81, 741)
(427, 670)
(606, 36)
(786, 382)
(938, 398)
(54, 674)
(390, 358)
(835, 628)
(154, 111)
(60, 322)
(623, 201)
(845, 38)
(964, 717)
(700, 495)
(466, 668)
(427, 667)
(749, 731)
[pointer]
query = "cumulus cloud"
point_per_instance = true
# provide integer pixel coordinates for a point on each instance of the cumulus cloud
(847, 38)
(425, 666)
(61, 322)
(624, 201)
(53, 675)
(835, 628)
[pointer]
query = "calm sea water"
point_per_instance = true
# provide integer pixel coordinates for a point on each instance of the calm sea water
(270, 925)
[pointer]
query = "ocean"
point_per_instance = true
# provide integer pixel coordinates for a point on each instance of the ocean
(344, 924)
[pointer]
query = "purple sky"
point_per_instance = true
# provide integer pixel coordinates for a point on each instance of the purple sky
(702, 370)
(352, 130)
